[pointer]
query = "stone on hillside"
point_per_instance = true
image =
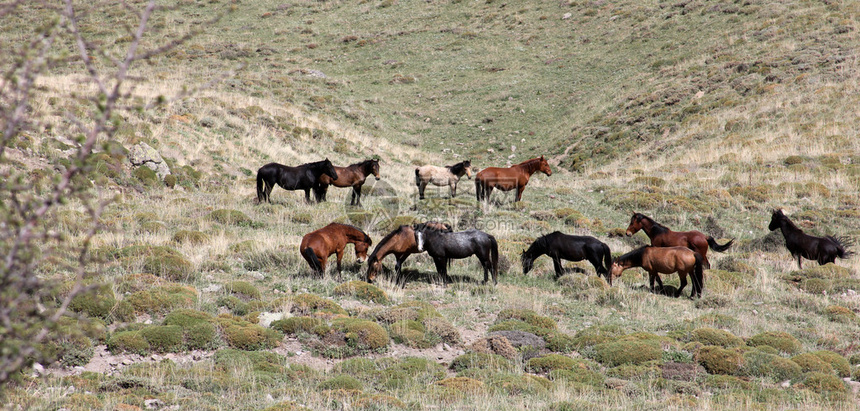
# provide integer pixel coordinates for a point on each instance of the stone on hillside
(521, 339)
(143, 155)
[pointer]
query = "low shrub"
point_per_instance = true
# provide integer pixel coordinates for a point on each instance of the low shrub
(96, 303)
(341, 382)
(584, 376)
(362, 291)
(295, 325)
(305, 304)
(230, 217)
(809, 362)
(552, 362)
(621, 352)
(413, 334)
(170, 266)
(782, 341)
(712, 336)
(243, 290)
(128, 341)
(190, 237)
(247, 336)
(718, 360)
(164, 338)
(528, 316)
(762, 364)
(162, 299)
(825, 384)
(836, 361)
(481, 361)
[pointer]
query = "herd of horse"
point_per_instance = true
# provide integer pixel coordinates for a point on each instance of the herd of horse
(682, 252)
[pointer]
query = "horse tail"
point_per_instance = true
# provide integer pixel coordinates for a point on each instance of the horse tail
(417, 178)
(717, 247)
(699, 270)
(479, 188)
(494, 258)
(312, 259)
(607, 260)
(842, 244)
(260, 188)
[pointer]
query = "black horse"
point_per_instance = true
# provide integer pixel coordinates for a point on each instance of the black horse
(800, 245)
(445, 246)
(303, 177)
(560, 246)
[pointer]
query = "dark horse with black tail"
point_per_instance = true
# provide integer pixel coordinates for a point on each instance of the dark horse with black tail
(560, 246)
(663, 260)
(663, 237)
(801, 245)
(445, 246)
(352, 175)
(401, 243)
(303, 177)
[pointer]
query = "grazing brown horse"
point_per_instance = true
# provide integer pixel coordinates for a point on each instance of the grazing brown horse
(801, 245)
(442, 176)
(318, 245)
(663, 237)
(663, 260)
(400, 242)
(352, 175)
(507, 179)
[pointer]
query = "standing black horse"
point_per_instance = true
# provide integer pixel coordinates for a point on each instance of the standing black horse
(303, 177)
(560, 246)
(800, 245)
(445, 246)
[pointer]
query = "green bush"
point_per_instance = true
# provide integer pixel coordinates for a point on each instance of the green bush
(362, 291)
(243, 289)
(304, 304)
(824, 383)
(295, 325)
(555, 340)
(596, 334)
(836, 361)
(190, 237)
(413, 334)
(230, 217)
(809, 362)
(528, 316)
(164, 338)
(840, 314)
(172, 267)
(481, 361)
(247, 336)
(96, 303)
(782, 341)
(621, 352)
(718, 360)
(761, 364)
(362, 334)
(233, 303)
(711, 336)
(128, 341)
(162, 299)
(341, 382)
(550, 362)
(146, 176)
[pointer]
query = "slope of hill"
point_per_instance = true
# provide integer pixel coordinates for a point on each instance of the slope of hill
(703, 115)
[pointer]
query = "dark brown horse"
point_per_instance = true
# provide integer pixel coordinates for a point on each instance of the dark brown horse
(303, 177)
(400, 242)
(318, 245)
(352, 175)
(663, 260)
(663, 237)
(507, 179)
(801, 245)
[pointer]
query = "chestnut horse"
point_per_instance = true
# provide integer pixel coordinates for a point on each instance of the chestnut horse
(801, 245)
(352, 175)
(442, 176)
(317, 246)
(507, 179)
(400, 242)
(663, 260)
(303, 177)
(663, 237)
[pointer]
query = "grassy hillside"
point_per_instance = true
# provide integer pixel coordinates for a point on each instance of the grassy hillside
(703, 115)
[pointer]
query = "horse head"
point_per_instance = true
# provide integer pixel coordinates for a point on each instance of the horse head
(373, 268)
(544, 166)
(635, 224)
(374, 168)
(468, 165)
(614, 272)
(328, 169)
(528, 261)
(775, 218)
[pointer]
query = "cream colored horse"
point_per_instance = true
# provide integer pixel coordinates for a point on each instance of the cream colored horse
(442, 176)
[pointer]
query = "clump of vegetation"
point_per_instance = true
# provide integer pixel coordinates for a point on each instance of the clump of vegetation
(162, 299)
(244, 335)
(712, 336)
(839, 364)
(460, 387)
(230, 217)
(413, 334)
(243, 290)
(295, 325)
(718, 360)
(840, 314)
(163, 338)
(762, 364)
(528, 316)
(809, 362)
(551, 362)
(346, 337)
(555, 340)
(198, 328)
(190, 237)
(782, 341)
(341, 382)
(97, 303)
(619, 352)
(146, 176)
(362, 291)
(825, 384)
(481, 361)
(128, 341)
(305, 304)
(596, 334)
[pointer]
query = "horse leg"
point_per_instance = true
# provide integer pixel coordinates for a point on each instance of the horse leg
(651, 277)
(683, 284)
(453, 188)
(421, 186)
(520, 192)
(339, 257)
(442, 268)
(307, 195)
(356, 196)
(397, 267)
(269, 187)
(556, 264)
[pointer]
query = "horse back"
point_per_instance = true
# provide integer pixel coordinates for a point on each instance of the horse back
(501, 178)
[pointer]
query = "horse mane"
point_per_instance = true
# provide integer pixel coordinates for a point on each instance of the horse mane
(366, 237)
(635, 256)
(791, 225)
(384, 240)
(456, 169)
(362, 164)
(656, 227)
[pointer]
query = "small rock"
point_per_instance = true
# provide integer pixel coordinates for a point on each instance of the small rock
(785, 384)
(153, 404)
(127, 361)
(38, 369)
(566, 16)
(269, 398)
(446, 347)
